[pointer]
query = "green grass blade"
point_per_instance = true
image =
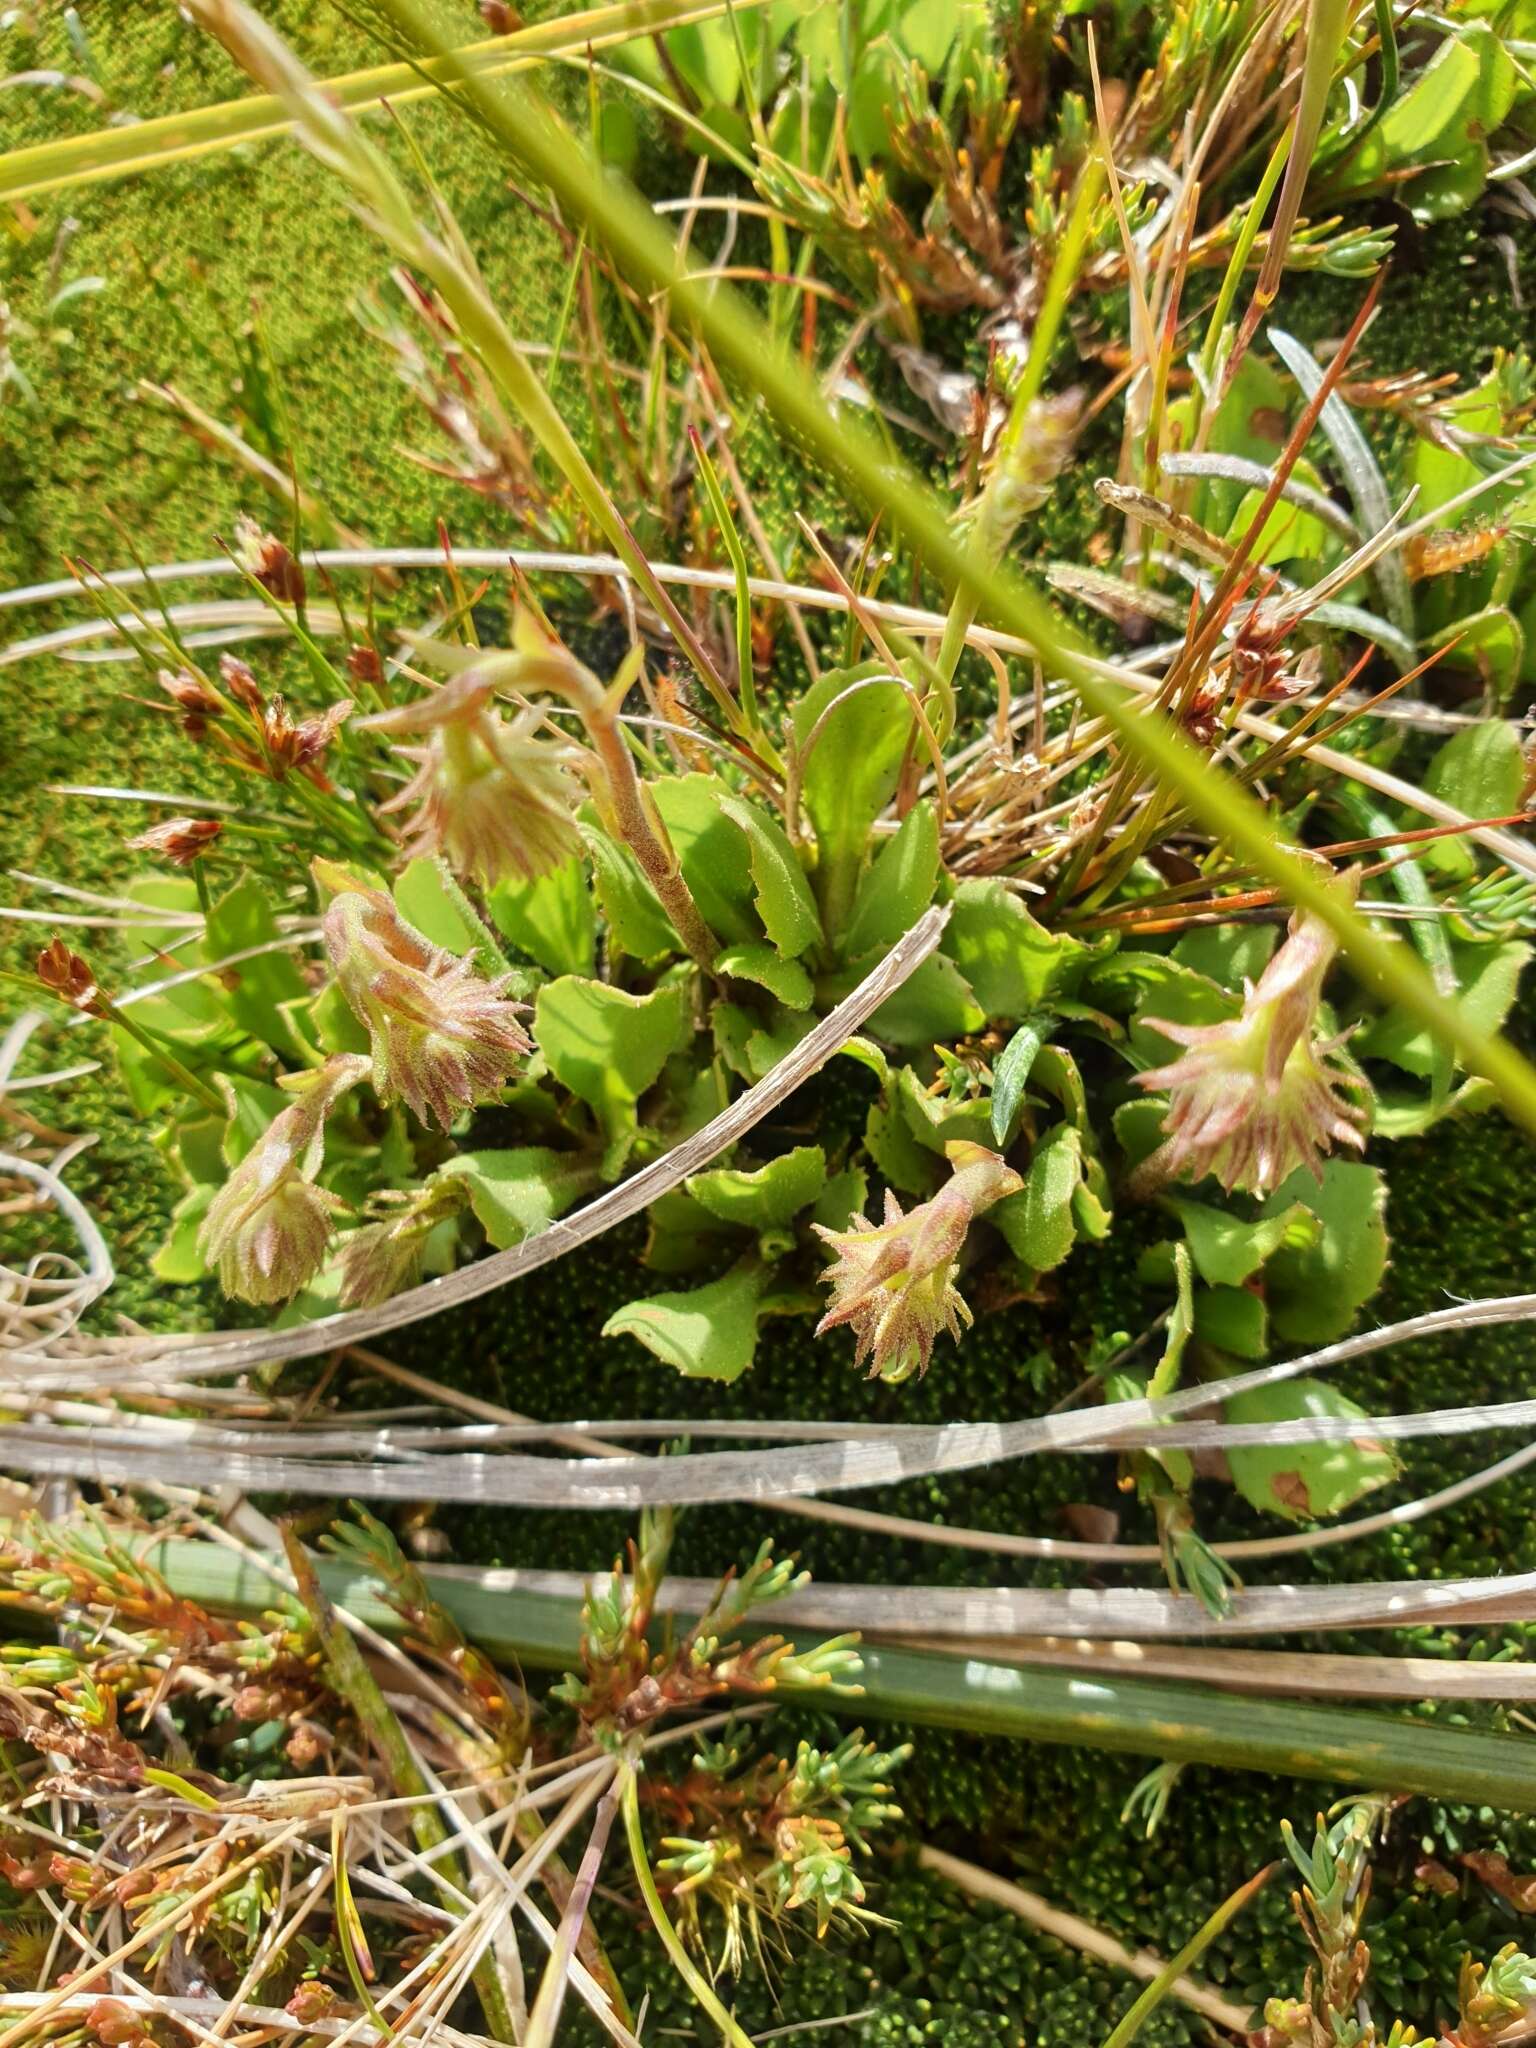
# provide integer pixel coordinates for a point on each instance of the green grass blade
(178, 138)
(1133, 2022)
(518, 118)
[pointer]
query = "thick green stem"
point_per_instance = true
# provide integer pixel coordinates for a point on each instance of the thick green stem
(626, 794)
(1145, 1717)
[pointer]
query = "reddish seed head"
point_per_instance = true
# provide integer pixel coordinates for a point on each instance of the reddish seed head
(240, 681)
(266, 558)
(192, 698)
(69, 977)
(179, 840)
(364, 665)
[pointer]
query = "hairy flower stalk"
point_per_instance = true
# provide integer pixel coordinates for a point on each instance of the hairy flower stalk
(895, 1281)
(441, 1037)
(487, 793)
(268, 1228)
(539, 662)
(1252, 1099)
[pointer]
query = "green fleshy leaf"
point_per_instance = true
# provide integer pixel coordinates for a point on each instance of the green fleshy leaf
(631, 909)
(253, 1104)
(1233, 1321)
(933, 1006)
(255, 991)
(850, 775)
(1227, 1250)
(710, 851)
(333, 1022)
(1011, 962)
(1481, 771)
(1491, 644)
(764, 964)
(151, 1091)
(1227, 954)
(1409, 1116)
(902, 1161)
(1303, 1482)
(774, 1040)
(1488, 978)
(1315, 1293)
(552, 919)
(1139, 1129)
(194, 1144)
(934, 1120)
(782, 894)
(608, 1047)
(842, 1199)
(899, 885)
(707, 1333)
(682, 1235)
(427, 896)
(517, 1193)
(178, 1261)
(1057, 1073)
(734, 1029)
(1091, 1210)
(1038, 1223)
(767, 1198)
(1442, 122)
(1011, 1074)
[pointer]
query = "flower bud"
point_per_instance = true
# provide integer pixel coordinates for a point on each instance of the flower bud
(441, 1037)
(179, 840)
(264, 556)
(487, 793)
(894, 1282)
(382, 1258)
(1254, 1098)
(268, 1228)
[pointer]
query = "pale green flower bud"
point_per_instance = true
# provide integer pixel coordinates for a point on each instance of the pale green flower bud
(895, 1281)
(267, 1229)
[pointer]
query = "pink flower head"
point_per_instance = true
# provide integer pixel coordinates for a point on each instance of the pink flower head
(895, 1281)
(497, 800)
(1254, 1098)
(442, 1038)
(268, 1228)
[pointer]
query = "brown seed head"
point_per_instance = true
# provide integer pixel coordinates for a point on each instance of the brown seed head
(179, 840)
(266, 558)
(70, 978)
